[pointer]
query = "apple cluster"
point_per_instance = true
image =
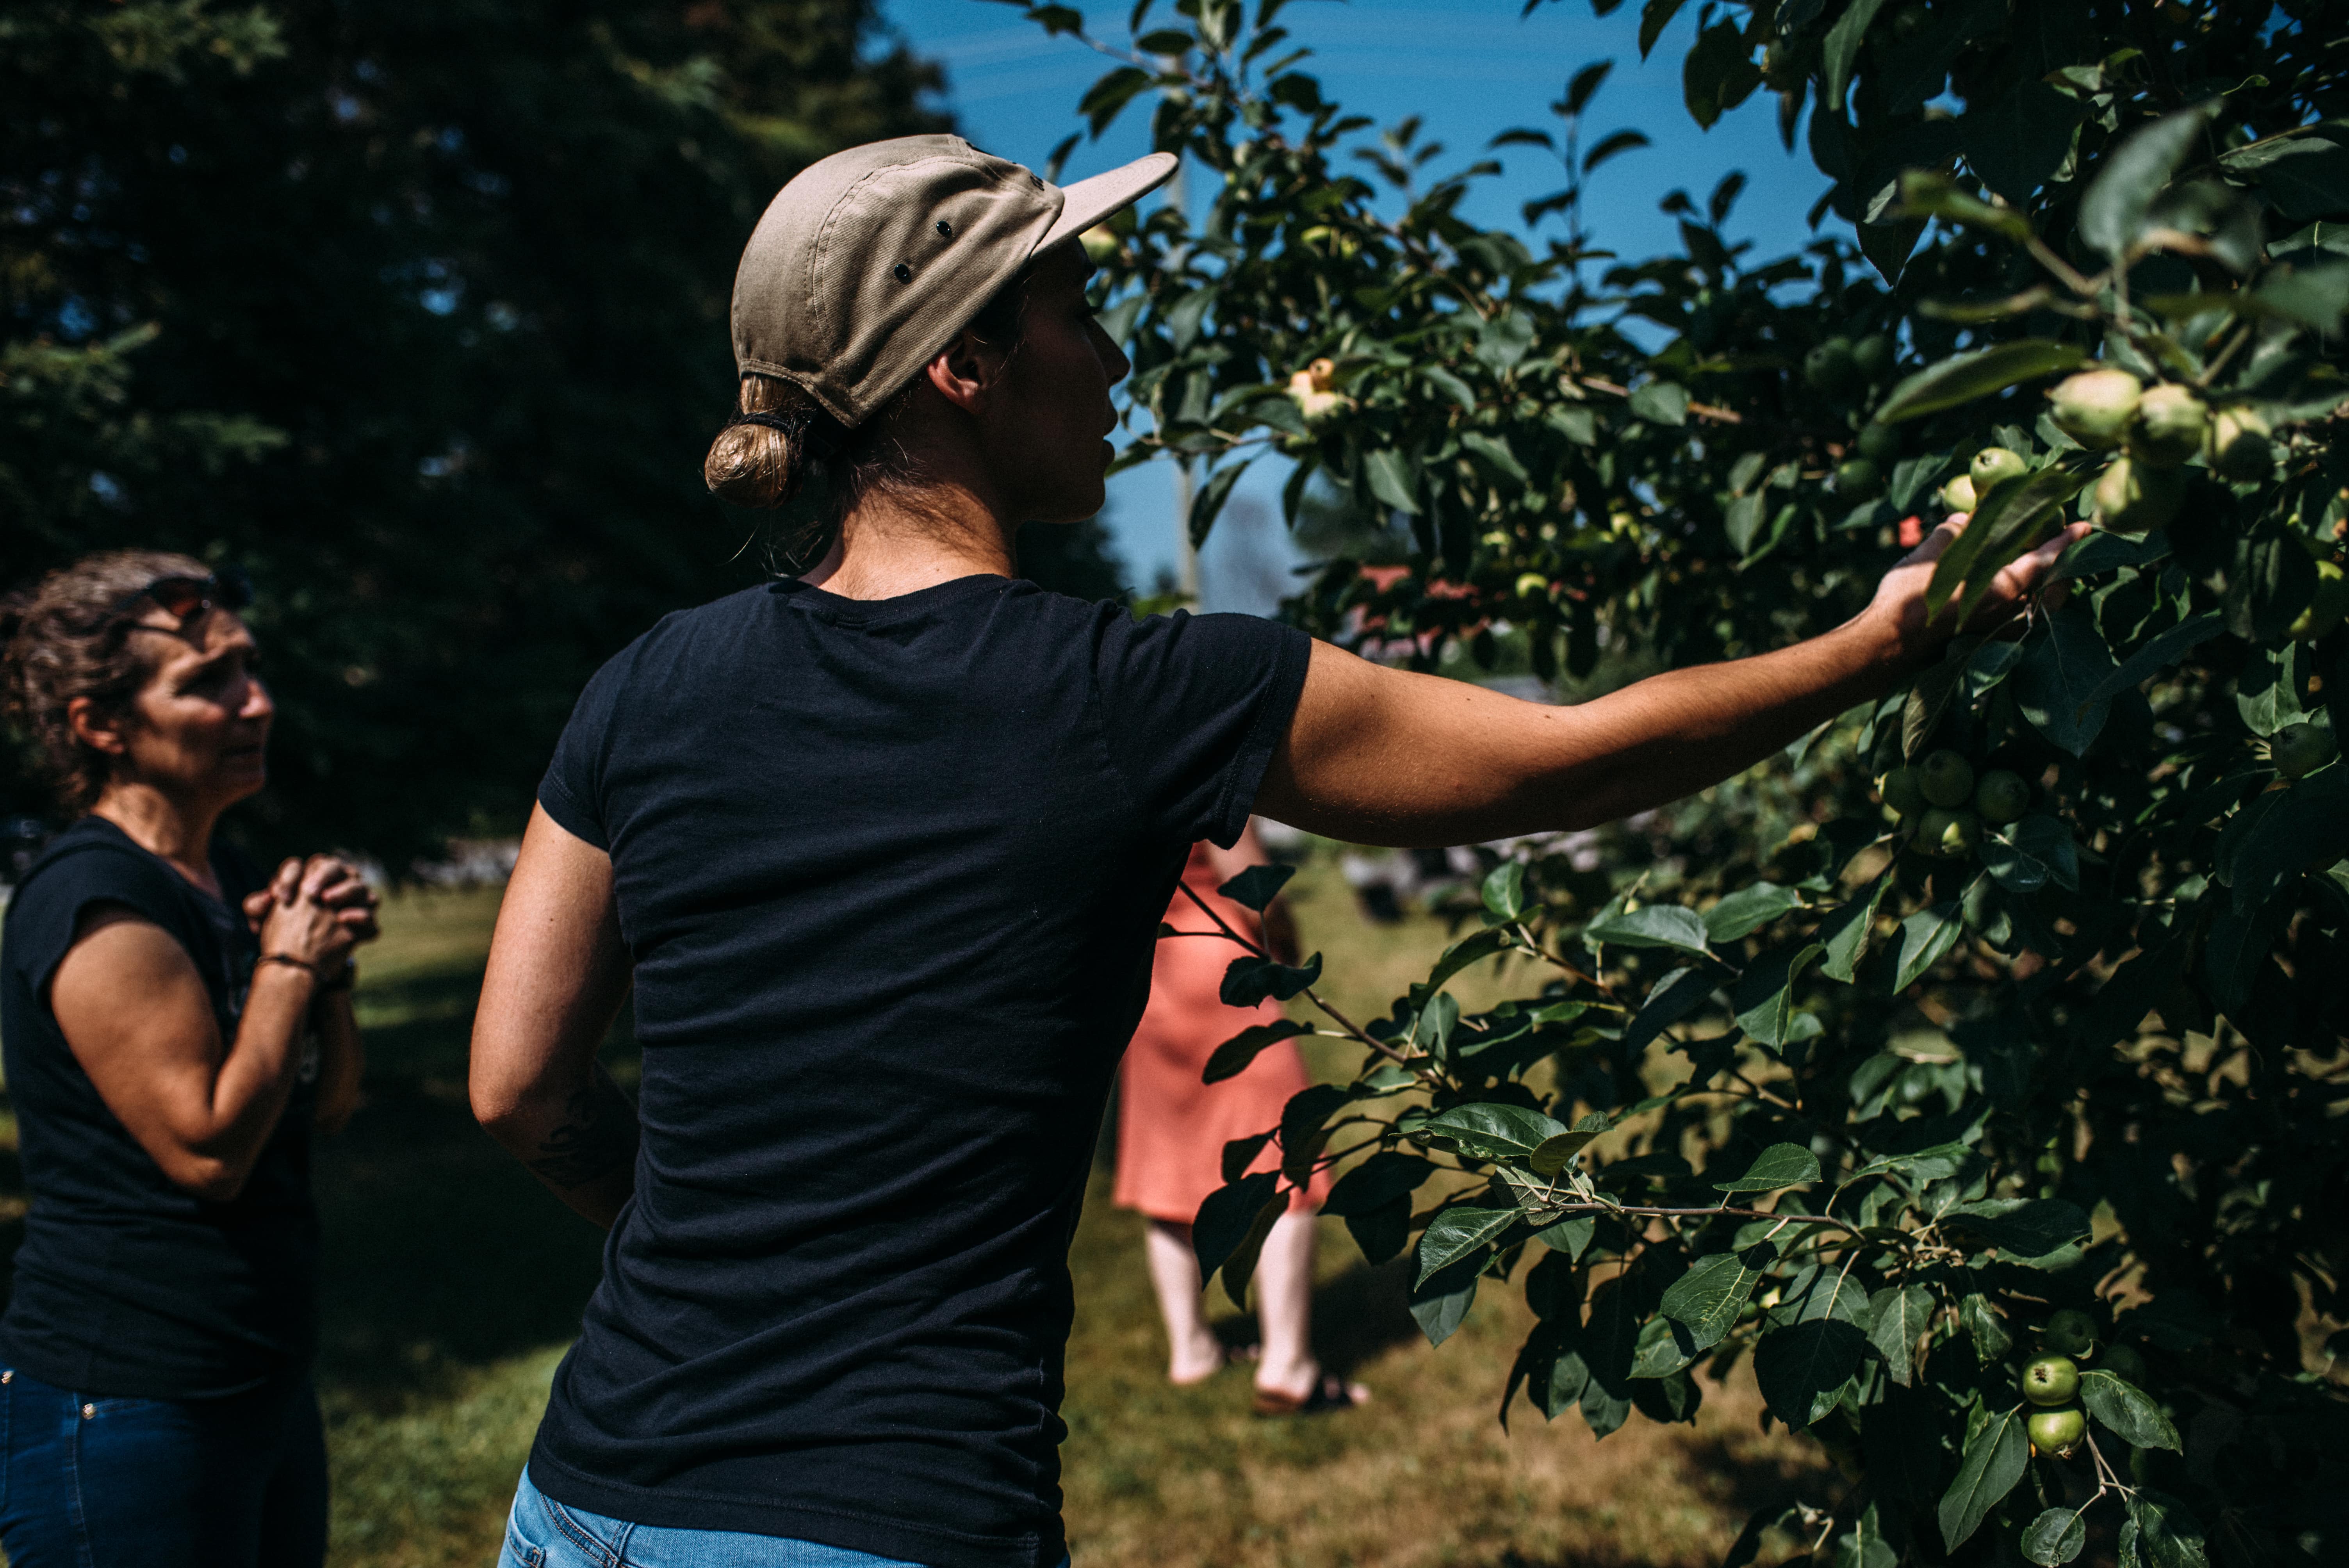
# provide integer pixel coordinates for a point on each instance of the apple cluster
(1948, 804)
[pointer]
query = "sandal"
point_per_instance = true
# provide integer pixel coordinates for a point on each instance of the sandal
(1331, 1393)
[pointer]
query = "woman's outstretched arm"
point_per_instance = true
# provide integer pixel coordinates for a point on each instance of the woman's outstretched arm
(1375, 755)
(558, 974)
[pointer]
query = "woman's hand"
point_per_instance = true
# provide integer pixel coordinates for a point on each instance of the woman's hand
(318, 911)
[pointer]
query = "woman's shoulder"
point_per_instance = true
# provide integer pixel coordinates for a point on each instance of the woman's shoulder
(93, 862)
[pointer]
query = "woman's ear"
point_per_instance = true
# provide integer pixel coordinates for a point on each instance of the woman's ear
(94, 729)
(966, 372)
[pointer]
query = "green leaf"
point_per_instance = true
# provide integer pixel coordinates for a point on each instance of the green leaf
(1460, 954)
(1393, 478)
(1111, 93)
(1302, 1131)
(2055, 1537)
(1925, 937)
(2167, 1536)
(1764, 997)
(1898, 1316)
(1459, 1231)
(1718, 73)
(1660, 402)
(1440, 1305)
(1234, 1056)
(1654, 17)
(1484, 1131)
(1502, 340)
(2018, 141)
(1495, 450)
(2027, 1231)
(1650, 926)
(1802, 1368)
(2134, 174)
(1674, 997)
(1248, 979)
(1966, 377)
(1780, 1165)
(1571, 1237)
(1551, 1154)
(2266, 691)
(1227, 1216)
(1748, 909)
(1208, 504)
(1663, 1348)
(2008, 522)
(2157, 654)
(1846, 931)
(1994, 1462)
(1505, 890)
(2055, 685)
(2031, 853)
(1842, 52)
(1258, 886)
(1707, 1299)
(1380, 1178)
(2306, 830)
(2128, 1411)
(1984, 1326)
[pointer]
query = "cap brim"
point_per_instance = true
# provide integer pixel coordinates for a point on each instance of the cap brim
(1087, 202)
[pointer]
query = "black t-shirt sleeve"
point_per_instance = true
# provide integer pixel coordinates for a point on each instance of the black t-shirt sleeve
(41, 932)
(573, 790)
(1194, 708)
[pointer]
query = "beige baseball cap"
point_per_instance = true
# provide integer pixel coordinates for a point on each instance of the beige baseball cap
(866, 265)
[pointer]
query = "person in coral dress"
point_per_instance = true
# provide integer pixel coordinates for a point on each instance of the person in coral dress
(1172, 1129)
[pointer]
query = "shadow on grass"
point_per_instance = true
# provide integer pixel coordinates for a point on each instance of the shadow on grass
(1358, 1316)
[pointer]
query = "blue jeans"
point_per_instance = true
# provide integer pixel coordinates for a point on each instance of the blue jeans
(543, 1533)
(92, 1483)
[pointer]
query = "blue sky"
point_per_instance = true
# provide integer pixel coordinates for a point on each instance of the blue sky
(1470, 69)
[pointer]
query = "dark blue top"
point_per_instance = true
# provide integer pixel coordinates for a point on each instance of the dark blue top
(890, 873)
(128, 1285)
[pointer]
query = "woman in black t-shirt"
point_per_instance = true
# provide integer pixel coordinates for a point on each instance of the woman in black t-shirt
(882, 849)
(174, 1023)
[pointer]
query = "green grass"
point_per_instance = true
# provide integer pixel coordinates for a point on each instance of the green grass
(452, 1283)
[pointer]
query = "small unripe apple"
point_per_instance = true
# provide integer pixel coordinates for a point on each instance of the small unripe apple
(2240, 447)
(2094, 407)
(1904, 792)
(2171, 426)
(2001, 796)
(2050, 1379)
(2299, 749)
(1872, 357)
(1958, 495)
(1952, 835)
(1993, 466)
(2056, 1431)
(1829, 367)
(1858, 478)
(2132, 498)
(1947, 778)
(2326, 607)
(2123, 1363)
(2070, 1332)
(1879, 443)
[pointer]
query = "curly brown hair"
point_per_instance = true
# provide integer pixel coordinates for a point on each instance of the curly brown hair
(65, 638)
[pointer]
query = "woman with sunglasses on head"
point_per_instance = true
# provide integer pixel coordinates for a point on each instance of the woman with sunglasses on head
(176, 1022)
(882, 849)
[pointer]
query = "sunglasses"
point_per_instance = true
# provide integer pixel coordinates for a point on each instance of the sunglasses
(185, 598)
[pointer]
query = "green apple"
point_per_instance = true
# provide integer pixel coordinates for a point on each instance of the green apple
(1903, 791)
(2132, 497)
(1952, 835)
(1879, 443)
(1872, 357)
(2123, 1363)
(2001, 796)
(2171, 426)
(1993, 466)
(2299, 749)
(2094, 407)
(2050, 1379)
(1829, 367)
(2325, 609)
(1958, 495)
(2070, 1332)
(2241, 446)
(1947, 778)
(2056, 1431)
(1858, 478)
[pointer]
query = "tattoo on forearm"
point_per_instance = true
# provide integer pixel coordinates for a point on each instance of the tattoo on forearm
(598, 1135)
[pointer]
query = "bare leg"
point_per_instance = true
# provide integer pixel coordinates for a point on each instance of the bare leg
(1284, 1283)
(1193, 1351)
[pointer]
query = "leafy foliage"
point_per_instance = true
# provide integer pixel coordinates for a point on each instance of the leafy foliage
(1884, 1096)
(417, 311)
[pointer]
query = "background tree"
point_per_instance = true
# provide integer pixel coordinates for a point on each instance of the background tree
(1973, 1067)
(417, 311)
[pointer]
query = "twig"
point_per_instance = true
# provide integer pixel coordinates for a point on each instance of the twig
(1702, 410)
(1343, 1022)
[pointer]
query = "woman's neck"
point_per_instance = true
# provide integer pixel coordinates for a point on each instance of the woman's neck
(179, 832)
(892, 545)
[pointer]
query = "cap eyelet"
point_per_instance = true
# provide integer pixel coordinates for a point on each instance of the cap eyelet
(902, 272)
(946, 228)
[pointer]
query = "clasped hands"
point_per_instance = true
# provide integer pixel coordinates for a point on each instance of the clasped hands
(314, 910)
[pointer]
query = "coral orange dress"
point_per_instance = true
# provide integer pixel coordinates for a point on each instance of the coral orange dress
(1171, 1128)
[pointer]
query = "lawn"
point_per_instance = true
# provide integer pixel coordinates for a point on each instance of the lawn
(452, 1283)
